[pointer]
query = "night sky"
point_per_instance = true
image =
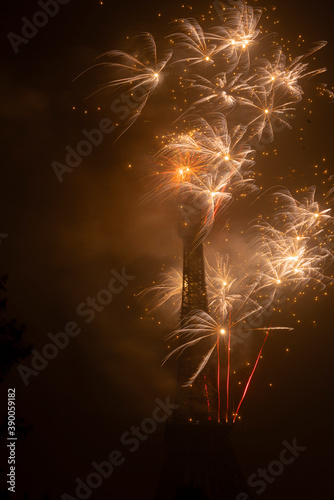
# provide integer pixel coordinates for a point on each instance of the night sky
(65, 240)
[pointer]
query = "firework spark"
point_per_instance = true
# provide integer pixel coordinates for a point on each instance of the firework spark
(190, 38)
(141, 72)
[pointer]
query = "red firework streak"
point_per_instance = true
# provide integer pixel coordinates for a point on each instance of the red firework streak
(251, 376)
(228, 369)
(207, 397)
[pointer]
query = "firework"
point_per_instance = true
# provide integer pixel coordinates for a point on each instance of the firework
(140, 73)
(166, 289)
(297, 249)
(280, 74)
(238, 97)
(237, 35)
(223, 92)
(190, 38)
(208, 165)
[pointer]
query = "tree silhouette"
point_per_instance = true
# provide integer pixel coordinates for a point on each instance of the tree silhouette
(13, 346)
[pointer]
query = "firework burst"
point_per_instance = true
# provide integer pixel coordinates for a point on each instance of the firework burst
(238, 97)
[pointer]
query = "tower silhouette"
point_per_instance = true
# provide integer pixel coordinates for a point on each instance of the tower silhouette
(197, 403)
(199, 463)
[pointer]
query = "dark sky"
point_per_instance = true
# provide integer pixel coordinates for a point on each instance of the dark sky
(65, 239)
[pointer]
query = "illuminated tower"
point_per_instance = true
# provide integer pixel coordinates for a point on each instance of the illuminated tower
(199, 462)
(197, 403)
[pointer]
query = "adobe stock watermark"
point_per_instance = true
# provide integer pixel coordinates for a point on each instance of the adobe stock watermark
(262, 477)
(131, 440)
(91, 139)
(59, 341)
(31, 28)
